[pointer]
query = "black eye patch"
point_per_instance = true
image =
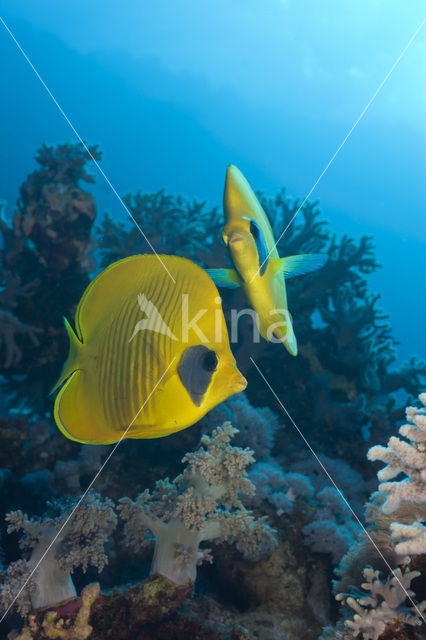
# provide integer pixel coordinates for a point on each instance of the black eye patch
(262, 249)
(195, 370)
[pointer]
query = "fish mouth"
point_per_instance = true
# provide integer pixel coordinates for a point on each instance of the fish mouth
(236, 237)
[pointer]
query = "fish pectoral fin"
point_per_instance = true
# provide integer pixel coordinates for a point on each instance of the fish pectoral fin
(292, 266)
(224, 277)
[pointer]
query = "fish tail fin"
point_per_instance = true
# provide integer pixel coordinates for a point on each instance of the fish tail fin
(71, 363)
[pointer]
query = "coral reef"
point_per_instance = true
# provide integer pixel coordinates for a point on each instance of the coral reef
(50, 625)
(44, 258)
(173, 225)
(408, 458)
(333, 528)
(350, 481)
(386, 545)
(87, 463)
(257, 427)
(201, 504)
(58, 543)
(404, 457)
(342, 380)
(381, 603)
(344, 391)
(410, 539)
(278, 487)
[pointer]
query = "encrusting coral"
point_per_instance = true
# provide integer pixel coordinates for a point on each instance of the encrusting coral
(51, 624)
(79, 544)
(201, 504)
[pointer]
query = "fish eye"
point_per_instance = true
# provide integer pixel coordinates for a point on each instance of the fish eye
(196, 368)
(209, 361)
(254, 229)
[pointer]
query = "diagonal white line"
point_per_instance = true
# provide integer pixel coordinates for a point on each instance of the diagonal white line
(99, 168)
(98, 473)
(338, 490)
(357, 121)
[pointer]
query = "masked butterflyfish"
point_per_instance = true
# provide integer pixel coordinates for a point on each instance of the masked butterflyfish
(148, 357)
(257, 265)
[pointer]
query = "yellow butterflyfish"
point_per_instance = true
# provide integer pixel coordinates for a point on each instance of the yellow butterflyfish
(148, 357)
(258, 268)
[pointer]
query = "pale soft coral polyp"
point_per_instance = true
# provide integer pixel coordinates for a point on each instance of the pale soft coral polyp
(201, 504)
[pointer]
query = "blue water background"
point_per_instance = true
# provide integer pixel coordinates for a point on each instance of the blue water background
(174, 91)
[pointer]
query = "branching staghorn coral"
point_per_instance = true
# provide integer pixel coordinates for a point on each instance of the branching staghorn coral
(374, 546)
(385, 543)
(405, 457)
(203, 503)
(80, 544)
(410, 539)
(381, 603)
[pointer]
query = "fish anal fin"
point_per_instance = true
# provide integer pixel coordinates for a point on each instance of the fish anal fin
(224, 277)
(77, 416)
(292, 266)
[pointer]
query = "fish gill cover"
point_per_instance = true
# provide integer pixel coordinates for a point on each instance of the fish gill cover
(272, 580)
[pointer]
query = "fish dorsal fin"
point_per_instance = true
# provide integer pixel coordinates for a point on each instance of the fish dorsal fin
(292, 266)
(114, 285)
(224, 277)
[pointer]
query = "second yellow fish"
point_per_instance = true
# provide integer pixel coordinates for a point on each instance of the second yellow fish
(258, 269)
(135, 369)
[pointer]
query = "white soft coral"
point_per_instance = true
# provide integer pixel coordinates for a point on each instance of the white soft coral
(203, 503)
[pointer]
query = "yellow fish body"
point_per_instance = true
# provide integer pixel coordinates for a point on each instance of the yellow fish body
(257, 265)
(133, 360)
